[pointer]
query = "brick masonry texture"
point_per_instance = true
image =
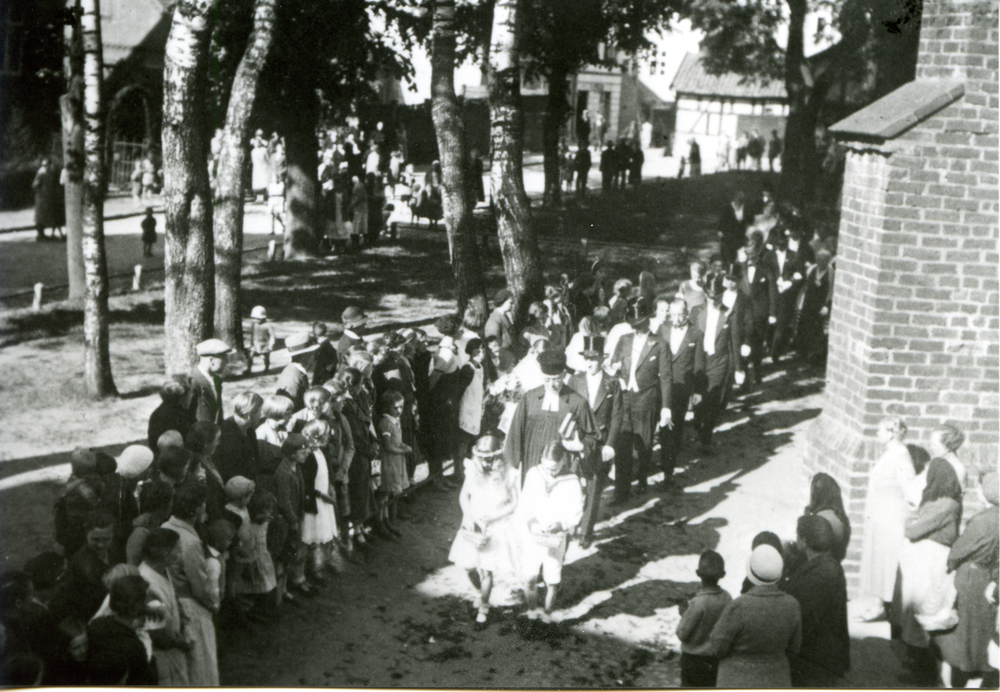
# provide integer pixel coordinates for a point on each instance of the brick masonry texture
(916, 311)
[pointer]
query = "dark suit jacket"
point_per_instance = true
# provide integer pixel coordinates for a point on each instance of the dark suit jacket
(325, 364)
(728, 339)
(293, 383)
(762, 292)
(733, 231)
(344, 345)
(499, 325)
(608, 409)
(239, 453)
(794, 264)
(689, 359)
(205, 401)
(654, 369)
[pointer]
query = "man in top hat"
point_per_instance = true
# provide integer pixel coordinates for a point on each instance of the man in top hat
(353, 318)
(205, 395)
(604, 396)
(642, 362)
(790, 273)
(719, 320)
(550, 412)
(294, 379)
(500, 324)
(758, 283)
(687, 359)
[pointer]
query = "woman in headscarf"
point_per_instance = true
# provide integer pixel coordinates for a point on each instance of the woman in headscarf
(927, 588)
(974, 555)
(886, 511)
(826, 501)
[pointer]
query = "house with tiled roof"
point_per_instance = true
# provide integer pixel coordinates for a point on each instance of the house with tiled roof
(712, 109)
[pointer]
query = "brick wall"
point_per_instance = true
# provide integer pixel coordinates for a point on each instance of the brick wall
(916, 313)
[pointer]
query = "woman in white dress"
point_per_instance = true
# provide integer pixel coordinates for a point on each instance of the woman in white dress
(886, 511)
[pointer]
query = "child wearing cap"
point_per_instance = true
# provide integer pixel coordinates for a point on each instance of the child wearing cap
(760, 631)
(698, 666)
(262, 338)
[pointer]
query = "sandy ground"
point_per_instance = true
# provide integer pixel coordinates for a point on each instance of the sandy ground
(402, 617)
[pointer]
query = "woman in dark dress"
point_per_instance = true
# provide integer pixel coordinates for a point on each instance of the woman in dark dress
(974, 555)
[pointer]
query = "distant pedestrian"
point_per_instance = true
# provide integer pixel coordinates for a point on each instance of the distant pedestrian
(582, 164)
(609, 166)
(135, 181)
(694, 157)
(755, 149)
(47, 207)
(148, 233)
(699, 665)
(148, 177)
(262, 338)
(774, 149)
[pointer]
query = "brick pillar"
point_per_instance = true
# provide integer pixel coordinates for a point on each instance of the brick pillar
(914, 324)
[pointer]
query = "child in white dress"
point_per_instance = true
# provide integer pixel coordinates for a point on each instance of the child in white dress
(488, 541)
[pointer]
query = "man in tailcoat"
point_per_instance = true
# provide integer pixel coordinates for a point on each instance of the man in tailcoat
(719, 320)
(604, 396)
(641, 361)
(791, 271)
(687, 360)
(758, 284)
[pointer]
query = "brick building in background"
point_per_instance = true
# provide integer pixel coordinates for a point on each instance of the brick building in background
(914, 324)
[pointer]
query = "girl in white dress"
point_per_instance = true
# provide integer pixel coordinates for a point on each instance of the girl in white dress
(487, 542)
(319, 523)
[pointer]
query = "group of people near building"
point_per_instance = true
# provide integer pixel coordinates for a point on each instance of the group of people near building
(936, 582)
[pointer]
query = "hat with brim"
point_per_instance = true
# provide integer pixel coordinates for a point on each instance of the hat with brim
(134, 461)
(213, 348)
(642, 312)
(502, 296)
(552, 363)
(765, 565)
(297, 344)
(353, 317)
(259, 313)
(593, 346)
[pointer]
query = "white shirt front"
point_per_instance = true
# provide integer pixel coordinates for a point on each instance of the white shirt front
(711, 325)
(593, 384)
(677, 339)
(550, 400)
(751, 271)
(781, 255)
(637, 345)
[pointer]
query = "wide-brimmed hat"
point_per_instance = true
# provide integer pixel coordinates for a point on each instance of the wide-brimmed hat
(593, 346)
(353, 317)
(487, 446)
(552, 363)
(765, 565)
(213, 347)
(300, 343)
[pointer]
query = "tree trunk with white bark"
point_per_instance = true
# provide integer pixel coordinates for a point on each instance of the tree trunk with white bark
(97, 355)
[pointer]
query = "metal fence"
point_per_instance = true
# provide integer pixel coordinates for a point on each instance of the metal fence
(123, 158)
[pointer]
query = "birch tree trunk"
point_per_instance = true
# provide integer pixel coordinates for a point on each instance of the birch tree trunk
(232, 160)
(71, 111)
(189, 288)
(514, 227)
(450, 130)
(97, 356)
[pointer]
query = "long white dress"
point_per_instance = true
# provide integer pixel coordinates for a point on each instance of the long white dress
(489, 493)
(886, 510)
(321, 527)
